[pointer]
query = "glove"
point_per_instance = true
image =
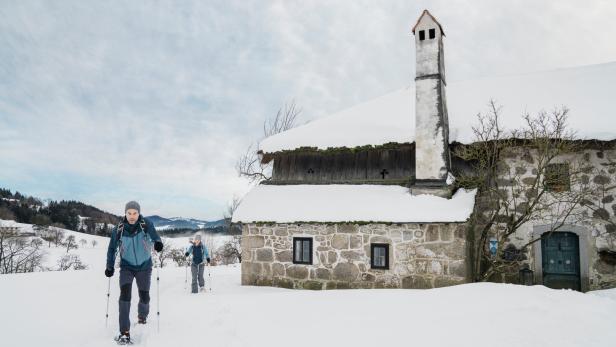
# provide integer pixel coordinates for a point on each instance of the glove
(208, 260)
(109, 272)
(186, 254)
(158, 246)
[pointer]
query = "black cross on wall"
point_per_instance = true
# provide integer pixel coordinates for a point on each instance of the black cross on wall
(384, 172)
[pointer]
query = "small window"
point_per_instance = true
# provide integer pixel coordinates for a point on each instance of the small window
(422, 35)
(302, 250)
(379, 255)
(432, 33)
(557, 177)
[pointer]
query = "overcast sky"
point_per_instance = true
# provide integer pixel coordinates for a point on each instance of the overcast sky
(108, 101)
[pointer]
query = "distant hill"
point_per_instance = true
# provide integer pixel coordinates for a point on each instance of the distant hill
(68, 214)
(162, 223)
(77, 216)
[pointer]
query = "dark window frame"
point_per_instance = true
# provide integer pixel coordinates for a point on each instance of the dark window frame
(380, 245)
(557, 177)
(422, 35)
(303, 239)
(431, 34)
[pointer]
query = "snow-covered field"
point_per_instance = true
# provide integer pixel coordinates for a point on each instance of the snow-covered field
(89, 254)
(94, 256)
(68, 309)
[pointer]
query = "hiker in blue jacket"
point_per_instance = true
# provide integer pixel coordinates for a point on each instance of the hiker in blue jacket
(133, 237)
(199, 254)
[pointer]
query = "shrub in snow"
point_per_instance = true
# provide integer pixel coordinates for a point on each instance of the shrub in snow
(71, 261)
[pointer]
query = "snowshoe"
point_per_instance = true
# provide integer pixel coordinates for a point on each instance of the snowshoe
(124, 339)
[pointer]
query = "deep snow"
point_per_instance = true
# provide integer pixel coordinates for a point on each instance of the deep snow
(343, 203)
(68, 309)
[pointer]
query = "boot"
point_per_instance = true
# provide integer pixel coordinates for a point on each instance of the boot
(124, 339)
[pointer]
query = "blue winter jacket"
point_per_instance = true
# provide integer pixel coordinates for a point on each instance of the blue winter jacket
(199, 253)
(135, 247)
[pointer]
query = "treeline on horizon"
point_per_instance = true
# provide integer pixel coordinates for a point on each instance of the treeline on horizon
(231, 229)
(65, 214)
(62, 214)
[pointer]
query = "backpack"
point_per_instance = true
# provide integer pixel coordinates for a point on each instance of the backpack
(120, 228)
(137, 249)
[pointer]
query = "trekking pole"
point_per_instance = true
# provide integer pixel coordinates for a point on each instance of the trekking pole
(186, 275)
(108, 294)
(115, 257)
(158, 297)
(209, 276)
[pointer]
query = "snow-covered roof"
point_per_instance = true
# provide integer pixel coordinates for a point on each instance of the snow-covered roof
(350, 203)
(588, 92)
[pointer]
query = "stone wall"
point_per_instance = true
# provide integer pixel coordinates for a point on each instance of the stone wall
(420, 255)
(596, 226)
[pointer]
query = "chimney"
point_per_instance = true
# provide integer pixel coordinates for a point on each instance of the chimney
(432, 158)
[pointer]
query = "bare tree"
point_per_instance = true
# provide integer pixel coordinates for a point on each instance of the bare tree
(231, 207)
(70, 243)
(17, 254)
(177, 255)
(58, 234)
(37, 242)
(232, 228)
(208, 241)
(250, 164)
(46, 235)
(165, 254)
(51, 235)
(231, 251)
(285, 119)
(94, 243)
(506, 199)
(83, 242)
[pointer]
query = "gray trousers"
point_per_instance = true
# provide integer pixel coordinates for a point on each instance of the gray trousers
(197, 276)
(143, 279)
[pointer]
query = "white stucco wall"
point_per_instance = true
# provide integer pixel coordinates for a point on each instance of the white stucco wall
(429, 132)
(430, 105)
(427, 51)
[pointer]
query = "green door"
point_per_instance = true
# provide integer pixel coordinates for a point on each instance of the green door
(561, 261)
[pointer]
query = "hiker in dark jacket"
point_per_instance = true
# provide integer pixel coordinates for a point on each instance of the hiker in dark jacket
(200, 254)
(133, 237)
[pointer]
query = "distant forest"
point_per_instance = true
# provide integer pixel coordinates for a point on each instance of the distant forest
(221, 229)
(65, 214)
